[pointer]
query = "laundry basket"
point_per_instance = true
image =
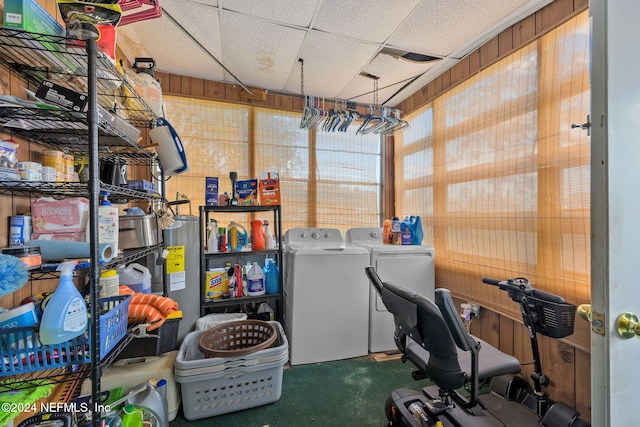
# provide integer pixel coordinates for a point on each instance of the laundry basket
(237, 338)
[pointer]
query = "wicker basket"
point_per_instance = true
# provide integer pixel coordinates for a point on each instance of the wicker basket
(237, 338)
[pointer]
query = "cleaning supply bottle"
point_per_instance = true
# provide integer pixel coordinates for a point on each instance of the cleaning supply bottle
(257, 236)
(406, 232)
(396, 238)
(255, 280)
(109, 284)
(269, 240)
(386, 231)
(65, 316)
(212, 236)
(236, 237)
(145, 83)
(131, 416)
(239, 280)
(113, 420)
(108, 228)
(272, 275)
(416, 227)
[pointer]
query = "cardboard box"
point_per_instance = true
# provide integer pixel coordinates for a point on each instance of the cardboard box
(269, 185)
(28, 15)
(247, 192)
(211, 191)
(60, 95)
(142, 185)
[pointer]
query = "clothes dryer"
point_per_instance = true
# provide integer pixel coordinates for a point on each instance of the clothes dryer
(410, 266)
(326, 296)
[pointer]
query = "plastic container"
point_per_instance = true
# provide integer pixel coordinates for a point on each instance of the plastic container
(19, 230)
(108, 223)
(206, 383)
(269, 240)
(18, 317)
(212, 237)
(145, 84)
(386, 231)
(131, 416)
(152, 401)
(129, 373)
(272, 275)
(135, 276)
(109, 284)
(396, 236)
(255, 281)
(257, 235)
(28, 356)
(406, 232)
(65, 316)
(236, 237)
(29, 255)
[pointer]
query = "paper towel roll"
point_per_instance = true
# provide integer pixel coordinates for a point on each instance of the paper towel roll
(56, 250)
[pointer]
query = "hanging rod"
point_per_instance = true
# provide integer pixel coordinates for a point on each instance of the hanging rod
(327, 100)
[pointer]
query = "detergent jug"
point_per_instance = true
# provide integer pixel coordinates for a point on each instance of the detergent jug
(236, 237)
(257, 235)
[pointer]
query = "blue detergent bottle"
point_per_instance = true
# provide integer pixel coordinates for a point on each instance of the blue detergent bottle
(65, 316)
(272, 275)
(406, 232)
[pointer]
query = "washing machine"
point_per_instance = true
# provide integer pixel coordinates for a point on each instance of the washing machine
(410, 266)
(326, 296)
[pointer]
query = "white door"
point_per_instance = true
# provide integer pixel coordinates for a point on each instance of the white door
(615, 206)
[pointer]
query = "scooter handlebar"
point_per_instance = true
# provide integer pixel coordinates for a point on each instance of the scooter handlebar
(525, 286)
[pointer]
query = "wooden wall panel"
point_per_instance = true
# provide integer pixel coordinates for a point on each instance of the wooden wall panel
(583, 383)
(524, 31)
(192, 86)
(489, 53)
(550, 15)
(505, 42)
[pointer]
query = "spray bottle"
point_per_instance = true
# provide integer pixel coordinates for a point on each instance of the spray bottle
(269, 241)
(212, 236)
(65, 316)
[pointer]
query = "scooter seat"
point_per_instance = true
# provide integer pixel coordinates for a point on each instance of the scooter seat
(491, 363)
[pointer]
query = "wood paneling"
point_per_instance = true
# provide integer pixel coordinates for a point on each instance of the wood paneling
(489, 52)
(505, 42)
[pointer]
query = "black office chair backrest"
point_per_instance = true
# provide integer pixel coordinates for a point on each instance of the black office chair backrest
(421, 320)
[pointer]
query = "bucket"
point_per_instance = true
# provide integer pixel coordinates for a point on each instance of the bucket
(135, 276)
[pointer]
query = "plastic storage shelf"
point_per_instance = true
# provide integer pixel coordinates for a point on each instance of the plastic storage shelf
(219, 385)
(22, 352)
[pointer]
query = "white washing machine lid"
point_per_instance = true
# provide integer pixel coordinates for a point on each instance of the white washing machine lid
(371, 239)
(364, 236)
(317, 241)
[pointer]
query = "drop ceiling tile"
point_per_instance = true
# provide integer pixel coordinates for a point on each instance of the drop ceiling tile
(372, 21)
(330, 62)
(292, 12)
(440, 27)
(260, 53)
(172, 49)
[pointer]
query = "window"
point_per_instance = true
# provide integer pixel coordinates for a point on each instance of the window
(328, 179)
(499, 176)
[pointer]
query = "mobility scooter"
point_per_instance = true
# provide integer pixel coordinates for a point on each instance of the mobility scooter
(432, 336)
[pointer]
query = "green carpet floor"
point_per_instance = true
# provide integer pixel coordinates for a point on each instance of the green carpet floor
(332, 394)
